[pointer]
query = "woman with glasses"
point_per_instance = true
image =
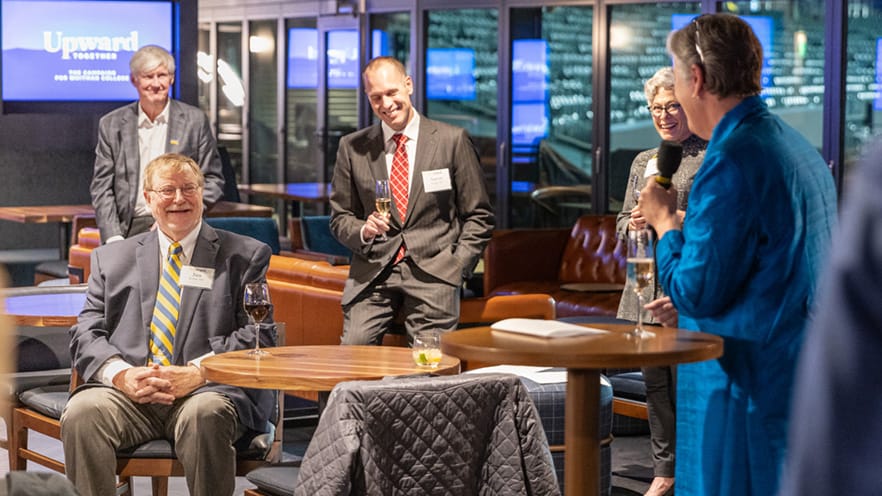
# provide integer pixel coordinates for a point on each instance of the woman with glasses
(671, 124)
(742, 265)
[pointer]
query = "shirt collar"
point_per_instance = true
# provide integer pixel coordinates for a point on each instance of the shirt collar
(411, 130)
(144, 121)
(188, 243)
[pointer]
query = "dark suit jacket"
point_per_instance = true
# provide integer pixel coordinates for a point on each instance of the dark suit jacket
(117, 172)
(445, 231)
(115, 320)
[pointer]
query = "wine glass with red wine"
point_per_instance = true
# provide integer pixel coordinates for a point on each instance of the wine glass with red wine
(257, 306)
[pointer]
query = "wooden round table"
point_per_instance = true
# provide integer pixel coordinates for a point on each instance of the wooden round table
(316, 368)
(583, 357)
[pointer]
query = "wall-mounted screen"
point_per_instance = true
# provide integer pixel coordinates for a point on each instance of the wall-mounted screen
(77, 50)
(450, 74)
(342, 57)
(762, 28)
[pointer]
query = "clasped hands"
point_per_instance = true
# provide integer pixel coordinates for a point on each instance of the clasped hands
(158, 384)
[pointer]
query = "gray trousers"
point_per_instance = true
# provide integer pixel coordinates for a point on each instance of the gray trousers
(426, 302)
(98, 421)
(661, 391)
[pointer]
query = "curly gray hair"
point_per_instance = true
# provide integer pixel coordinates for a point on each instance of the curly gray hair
(662, 79)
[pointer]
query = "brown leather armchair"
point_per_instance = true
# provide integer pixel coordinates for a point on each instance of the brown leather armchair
(582, 268)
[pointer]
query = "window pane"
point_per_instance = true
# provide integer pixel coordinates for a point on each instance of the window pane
(637, 50)
(551, 115)
(205, 67)
(301, 83)
(460, 82)
(863, 98)
(230, 91)
(262, 147)
(390, 36)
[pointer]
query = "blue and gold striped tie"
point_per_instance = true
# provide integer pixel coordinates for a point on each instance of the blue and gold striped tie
(168, 304)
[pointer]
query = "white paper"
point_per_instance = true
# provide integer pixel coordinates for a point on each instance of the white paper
(539, 375)
(544, 328)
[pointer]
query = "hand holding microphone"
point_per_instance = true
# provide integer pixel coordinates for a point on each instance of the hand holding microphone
(659, 205)
(668, 161)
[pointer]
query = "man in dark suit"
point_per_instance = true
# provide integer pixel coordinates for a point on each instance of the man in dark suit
(131, 136)
(142, 384)
(440, 221)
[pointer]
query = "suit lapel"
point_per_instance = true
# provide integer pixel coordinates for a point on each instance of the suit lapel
(426, 145)
(147, 260)
(129, 134)
(204, 255)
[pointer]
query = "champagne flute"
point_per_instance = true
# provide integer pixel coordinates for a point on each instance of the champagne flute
(257, 305)
(641, 272)
(383, 201)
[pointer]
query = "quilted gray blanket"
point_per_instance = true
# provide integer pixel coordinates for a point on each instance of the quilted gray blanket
(475, 434)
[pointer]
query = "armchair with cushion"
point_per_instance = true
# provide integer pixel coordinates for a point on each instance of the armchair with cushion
(582, 268)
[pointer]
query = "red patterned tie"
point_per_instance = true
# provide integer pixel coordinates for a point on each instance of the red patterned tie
(398, 182)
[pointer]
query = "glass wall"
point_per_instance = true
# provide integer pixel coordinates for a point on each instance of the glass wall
(551, 119)
(262, 108)
(863, 89)
(637, 38)
(390, 36)
(460, 77)
(230, 92)
(205, 67)
(301, 101)
(792, 35)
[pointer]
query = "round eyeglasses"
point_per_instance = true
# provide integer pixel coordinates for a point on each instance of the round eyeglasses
(672, 108)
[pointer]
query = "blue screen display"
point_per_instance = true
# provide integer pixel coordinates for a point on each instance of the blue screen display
(529, 87)
(762, 28)
(77, 50)
(343, 72)
(450, 74)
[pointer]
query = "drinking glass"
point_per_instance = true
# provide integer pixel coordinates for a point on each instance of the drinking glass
(383, 201)
(635, 191)
(427, 349)
(641, 272)
(257, 305)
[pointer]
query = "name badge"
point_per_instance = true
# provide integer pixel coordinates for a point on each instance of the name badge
(436, 180)
(197, 277)
(651, 167)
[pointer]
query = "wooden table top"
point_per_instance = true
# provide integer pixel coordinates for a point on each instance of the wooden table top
(613, 349)
(302, 192)
(46, 309)
(41, 214)
(316, 368)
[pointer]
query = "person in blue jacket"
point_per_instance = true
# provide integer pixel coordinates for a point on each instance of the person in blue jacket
(745, 263)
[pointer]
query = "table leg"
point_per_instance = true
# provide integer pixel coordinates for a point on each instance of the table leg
(581, 433)
(63, 239)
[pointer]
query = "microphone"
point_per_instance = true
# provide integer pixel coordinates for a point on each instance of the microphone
(668, 161)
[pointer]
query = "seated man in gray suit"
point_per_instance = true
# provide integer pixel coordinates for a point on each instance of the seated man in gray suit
(157, 304)
(417, 258)
(131, 136)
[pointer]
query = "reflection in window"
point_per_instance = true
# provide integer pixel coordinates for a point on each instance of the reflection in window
(863, 89)
(390, 36)
(263, 70)
(301, 83)
(230, 92)
(793, 73)
(638, 34)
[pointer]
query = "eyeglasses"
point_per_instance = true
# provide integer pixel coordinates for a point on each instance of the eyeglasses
(672, 108)
(169, 193)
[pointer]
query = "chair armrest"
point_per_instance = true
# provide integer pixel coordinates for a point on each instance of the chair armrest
(491, 309)
(523, 255)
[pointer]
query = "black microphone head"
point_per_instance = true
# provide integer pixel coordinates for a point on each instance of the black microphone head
(668, 161)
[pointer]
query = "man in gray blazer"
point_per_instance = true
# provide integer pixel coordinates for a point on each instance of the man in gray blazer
(135, 392)
(131, 136)
(416, 261)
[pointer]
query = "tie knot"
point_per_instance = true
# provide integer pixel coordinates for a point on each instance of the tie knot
(400, 139)
(175, 249)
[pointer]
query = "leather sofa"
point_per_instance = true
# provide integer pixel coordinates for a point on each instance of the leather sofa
(582, 268)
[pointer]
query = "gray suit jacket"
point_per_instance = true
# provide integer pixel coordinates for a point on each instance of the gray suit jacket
(445, 231)
(117, 170)
(115, 320)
